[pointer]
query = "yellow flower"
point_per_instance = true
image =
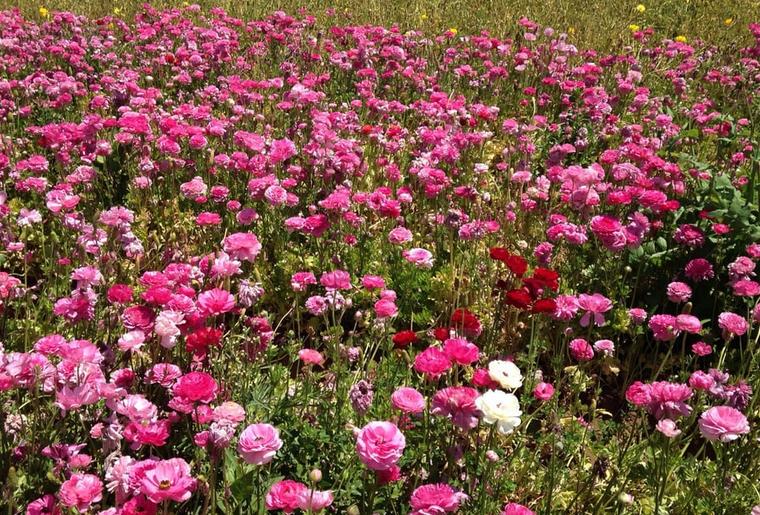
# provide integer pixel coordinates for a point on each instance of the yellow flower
(44, 12)
(641, 8)
(571, 30)
(423, 17)
(681, 39)
(116, 11)
(728, 21)
(453, 31)
(633, 27)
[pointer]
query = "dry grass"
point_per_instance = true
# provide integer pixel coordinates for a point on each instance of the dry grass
(601, 24)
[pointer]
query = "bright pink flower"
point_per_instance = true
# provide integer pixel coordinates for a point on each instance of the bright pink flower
(595, 306)
(258, 443)
(80, 491)
(385, 308)
(678, 292)
(543, 391)
(242, 245)
(215, 302)
(458, 404)
(164, 480)
(668, 428)
(581, 350)
(701, 349)
(196, 387)
(461, 351)
(408, 400)
(311, 357)
(380, 445)
(699, 270)
(732, 324)
(435, 498)
(432, 362)
(420, 257)
(688, 323)
(285, 495)
(723, 423)
(516, 509)
(664, 327)
(336, 280)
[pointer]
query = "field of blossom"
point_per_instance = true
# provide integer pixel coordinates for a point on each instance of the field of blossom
(278, 264)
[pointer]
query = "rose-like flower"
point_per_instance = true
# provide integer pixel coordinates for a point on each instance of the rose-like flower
(258, 443)
(380, 445)
(408, 400)
(506, 373)
(500, 408)
(723, 423)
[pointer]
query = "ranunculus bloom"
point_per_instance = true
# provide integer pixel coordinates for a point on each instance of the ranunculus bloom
(516, 509)
(723, 423)
(506, 373)
(678, 292)
(668, 428)
(461, 351)
(432, 362)
(543, 391)
(285, 495)
(165, 480)
(732, 324)
(80, 491)
(581, 350)
(196, 387)
(435, 498)
(500, 408)
(215, 302)
(458, 404)
(258, 443)
(311, 357)
(380, 445)
(242, 245)
(408, 400)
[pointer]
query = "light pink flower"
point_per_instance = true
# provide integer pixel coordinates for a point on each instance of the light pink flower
(164, 480)
(258, 443)
(80, 491)
(723, 423)
(408, 400)
(380, 445)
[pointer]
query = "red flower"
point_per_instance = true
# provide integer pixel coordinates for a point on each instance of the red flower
(519, 298)
(544, 306)
(469, 323)
(403, 339)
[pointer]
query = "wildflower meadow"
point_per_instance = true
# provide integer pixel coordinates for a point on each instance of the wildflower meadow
(295, 264)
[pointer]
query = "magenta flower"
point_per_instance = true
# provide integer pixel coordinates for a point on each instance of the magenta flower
(723, 423)
(595, 306)
(80, 491)
(380, 445)
(164, 480)
(258, 443)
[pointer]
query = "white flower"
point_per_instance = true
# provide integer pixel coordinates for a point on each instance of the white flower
(500, 408)
(506, 374)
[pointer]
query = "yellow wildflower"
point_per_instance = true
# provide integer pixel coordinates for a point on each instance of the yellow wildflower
(44, 12)
(641, 8)
(728, 21)
(571, 30)
(116, 11)
(681, 39)
(453, 31)
(633, 27)
(423, 17)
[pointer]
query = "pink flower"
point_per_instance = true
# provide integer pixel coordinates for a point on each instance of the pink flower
(301, 280)
(380, 445)
(516, 509)
(408, 400)
(80, 491)
(285, 495)
(419, 257)
(594, 305)
(313, 501)
(580, 350)
(604, 347)
(458, 404)
(699, 270)
(385, 308)
(400, 235)
(678, 292)
(215, 302)
(664, 327)
(432, 362)
(637, 315)
(196, 387)
(242, 245)
(723, 423)
(461, 351)
(336, 280)
(543, 391)
(258, 443)
(164, 480)
(668, 428)
(45, 505)
(688, 323)
(701, 349)
(311, 357)
(732, 324)
(435, 498)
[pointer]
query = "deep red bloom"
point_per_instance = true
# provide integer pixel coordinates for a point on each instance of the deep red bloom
(544, 306)
(519, 298)
(199, 341)
(403, 339)
(441, 333)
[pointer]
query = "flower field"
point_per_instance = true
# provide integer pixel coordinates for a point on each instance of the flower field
(278, 264)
